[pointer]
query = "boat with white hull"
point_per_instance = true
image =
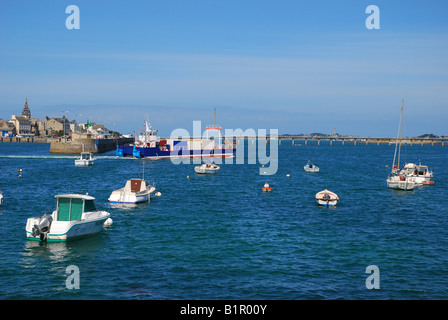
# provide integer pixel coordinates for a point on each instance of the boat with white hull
(75, 216)
(400, 182)
(86, 159)
(419, 174)
(309, 167)
(135, 191)
(396, 180)
(326, 198)
(207, 168)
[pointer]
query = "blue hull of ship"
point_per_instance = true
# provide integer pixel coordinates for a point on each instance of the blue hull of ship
(156, 153)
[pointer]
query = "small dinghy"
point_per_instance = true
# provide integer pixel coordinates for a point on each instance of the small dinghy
(266, 188)
(309, 167)
(327, 198)
(207, 168)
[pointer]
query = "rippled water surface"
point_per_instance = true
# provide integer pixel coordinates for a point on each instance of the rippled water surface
(220, 237)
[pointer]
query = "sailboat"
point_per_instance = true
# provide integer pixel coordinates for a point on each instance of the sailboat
(395, 180)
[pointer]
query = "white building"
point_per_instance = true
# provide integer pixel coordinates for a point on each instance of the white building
(23, 123)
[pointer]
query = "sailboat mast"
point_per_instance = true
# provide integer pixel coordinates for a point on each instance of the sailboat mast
(214, 118)
(396, 146)
(401, 130)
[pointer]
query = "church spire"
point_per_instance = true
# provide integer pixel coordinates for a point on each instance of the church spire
(26, 111)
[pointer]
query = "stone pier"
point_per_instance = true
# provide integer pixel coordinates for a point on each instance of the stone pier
(87, 144)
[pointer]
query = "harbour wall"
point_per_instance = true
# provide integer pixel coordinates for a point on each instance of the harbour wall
(77, 146)
(27, 140)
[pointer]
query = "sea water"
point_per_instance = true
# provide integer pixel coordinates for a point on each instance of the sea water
(220, 237)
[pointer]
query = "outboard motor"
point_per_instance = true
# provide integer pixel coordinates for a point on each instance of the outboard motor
(43, 227)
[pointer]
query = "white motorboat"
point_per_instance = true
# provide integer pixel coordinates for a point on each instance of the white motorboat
(86, 159)
(417, 173)
(206, 168)
(309, 167)
(1, 197)
(396, 180)
(135, 191)
(327, 198)
(75, 216)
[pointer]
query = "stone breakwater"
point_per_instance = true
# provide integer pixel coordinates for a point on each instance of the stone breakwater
(77, 146)
(27, 139)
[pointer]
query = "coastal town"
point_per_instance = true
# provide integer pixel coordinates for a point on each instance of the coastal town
(24, 126)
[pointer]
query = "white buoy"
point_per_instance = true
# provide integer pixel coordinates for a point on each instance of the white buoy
(158, 194)
(108, 222)
(266, 188)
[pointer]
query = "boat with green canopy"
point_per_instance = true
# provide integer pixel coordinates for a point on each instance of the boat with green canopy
(75, 216)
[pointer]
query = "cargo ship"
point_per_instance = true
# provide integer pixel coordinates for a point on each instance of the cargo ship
(148, 144)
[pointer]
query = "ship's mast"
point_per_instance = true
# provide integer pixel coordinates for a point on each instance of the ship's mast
(398, 142)
(401, 130)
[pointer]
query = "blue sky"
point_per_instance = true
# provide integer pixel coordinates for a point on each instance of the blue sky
(295, 66)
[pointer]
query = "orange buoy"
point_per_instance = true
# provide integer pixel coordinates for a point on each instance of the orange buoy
(266, 188)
